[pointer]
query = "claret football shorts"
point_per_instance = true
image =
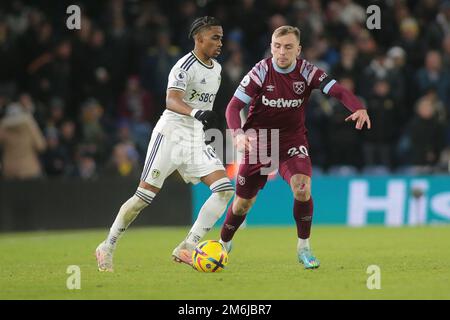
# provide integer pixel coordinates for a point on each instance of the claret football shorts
(293, 160)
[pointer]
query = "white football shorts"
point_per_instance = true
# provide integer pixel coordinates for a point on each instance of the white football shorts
(165, 156)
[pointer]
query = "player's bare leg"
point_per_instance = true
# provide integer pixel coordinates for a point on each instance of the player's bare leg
(303, 212)
(221, 193)
(128, 212)
(235, 217)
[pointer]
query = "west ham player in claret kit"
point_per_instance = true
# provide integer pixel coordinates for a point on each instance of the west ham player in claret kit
(277, 90)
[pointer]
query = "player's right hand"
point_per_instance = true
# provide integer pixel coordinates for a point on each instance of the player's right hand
(361, 117)
(242, 143)
(207, 117)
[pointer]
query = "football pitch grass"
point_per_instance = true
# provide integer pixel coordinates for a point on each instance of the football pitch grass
(414, 263)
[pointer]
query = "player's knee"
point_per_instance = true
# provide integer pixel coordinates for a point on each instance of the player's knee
(241, 208)
(226, 195)
(302, 194)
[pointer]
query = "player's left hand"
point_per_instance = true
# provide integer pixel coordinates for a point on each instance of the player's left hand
(361, 117)
(207, 117)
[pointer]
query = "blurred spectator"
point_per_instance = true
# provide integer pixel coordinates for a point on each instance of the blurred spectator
(124, 161)
(348, 64)
(301, 18)
(343, 141)
(21, 141)
(55, 114)
(367, 46)
(439, 107)
(440, 27)
(120, 42)
(8, 55)
(185, 14)
(55, 158)
(274, 21)
(444, 161)
(85, 166)
(426, 11)
(98, 79)
(378, 146)
(94, 138)
(68, 138)
(150, 18)
(326, 54)
(81, 62)
(123, 132)
(249, 10)
(232, 73)
(319, 112)
(315, 14)
(136, 106)
(425, 136)
(50, 73)
(410, 42)
(383, 68)
(404, 97)
(156, 65)
(434, 76)
(351, 13)
(335, 29)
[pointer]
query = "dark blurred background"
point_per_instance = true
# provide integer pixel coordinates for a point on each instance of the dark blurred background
(82, 103)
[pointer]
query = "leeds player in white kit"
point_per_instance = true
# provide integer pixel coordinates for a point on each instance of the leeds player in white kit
(177, 143)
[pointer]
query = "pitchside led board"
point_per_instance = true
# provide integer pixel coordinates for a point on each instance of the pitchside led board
(354, 201)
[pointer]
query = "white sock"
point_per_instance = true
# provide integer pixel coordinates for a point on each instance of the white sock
(212, 210)
(302, 244)
(225, 243)
(127, 213)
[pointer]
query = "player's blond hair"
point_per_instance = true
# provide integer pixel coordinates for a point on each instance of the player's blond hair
(284, 30)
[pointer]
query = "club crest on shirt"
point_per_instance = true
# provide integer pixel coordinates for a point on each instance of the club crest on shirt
(299, 87)
(155, 173)
(241, 180)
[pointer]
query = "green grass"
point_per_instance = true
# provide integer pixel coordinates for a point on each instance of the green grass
(414, 262)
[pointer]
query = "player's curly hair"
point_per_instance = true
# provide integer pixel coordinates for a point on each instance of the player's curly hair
(201, 23)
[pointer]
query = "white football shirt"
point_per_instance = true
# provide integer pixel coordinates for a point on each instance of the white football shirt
(200, 83)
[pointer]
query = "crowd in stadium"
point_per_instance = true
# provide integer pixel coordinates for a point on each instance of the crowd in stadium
(82, 103)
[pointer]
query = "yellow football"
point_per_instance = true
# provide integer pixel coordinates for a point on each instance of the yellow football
(209, 256)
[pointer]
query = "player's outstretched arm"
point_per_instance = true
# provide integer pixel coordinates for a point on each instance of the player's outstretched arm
(351, 102)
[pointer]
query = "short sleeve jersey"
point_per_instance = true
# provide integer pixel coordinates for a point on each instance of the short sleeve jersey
(200, 83)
